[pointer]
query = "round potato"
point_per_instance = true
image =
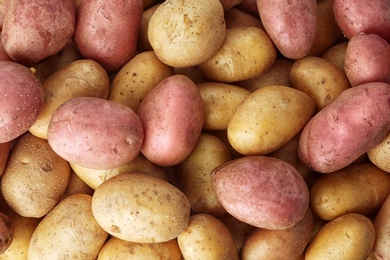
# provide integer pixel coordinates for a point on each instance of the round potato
(95, 133)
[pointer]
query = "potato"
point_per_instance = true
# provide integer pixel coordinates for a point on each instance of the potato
(294, 30)
(367, 59)
(185, 33)
(245, 53)
(139, 208)
(368, 17)
(21, 101)
(35, 177)
(137, 77)
(4, 153)
(7, 232)
(143, 43)
(382, 228)
(319, 78)
(34, 30)
(350, 236)
(334, 194)
(95, 133)
(106, 31)
(80, 78)
(3, 5)
(194, 174)
(179, 96)
(69, 230)
(379, 155)
(93, 178)
(116, 248)
(336, 54)
(76, 186)
(235, 17)
(262, 191)
(23, 229)
(288, 243)
(238, 229)
(220, 102)
(206, 237)
(268, 118)
(329, 141)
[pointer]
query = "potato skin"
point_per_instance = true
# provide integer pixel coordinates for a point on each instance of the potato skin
(329, 141)
(262, 191)
(95, 132)
(382, 230)
(18, 111)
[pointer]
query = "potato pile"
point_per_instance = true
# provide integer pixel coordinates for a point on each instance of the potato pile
(213, 129)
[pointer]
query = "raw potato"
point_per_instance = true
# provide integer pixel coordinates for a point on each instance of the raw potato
(382, 231)
(136, 78)
(262, 191)
(35, 177)
(80, 78)
(206, 237)
(245, 53)
(336, 54)
(319, 78)
(187, 33)
(350, 236)
(7, 232)
(143, 39)
(21, 101)
(220, 102)
(379, 155)
(139, 208)
(76, 186)
(95, 133)
(68, 230)
(334, 194)
(268, 118)
(117, 249)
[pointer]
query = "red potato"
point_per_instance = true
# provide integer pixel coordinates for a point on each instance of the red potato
(34, 30)
(291, 24)
(364, 16)
(262, 191)
(355, 122)
(367, 59)
(95, 133)
(172, 116)
(106, 31)
(21, 100)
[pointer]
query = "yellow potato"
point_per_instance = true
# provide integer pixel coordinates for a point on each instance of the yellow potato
(76, 186)
(350, 236)
(245, 53)
(379, 155)
(269, 118)
(68, 231)
(193, 72)
(336, 54)
(382, 230)
(206, 237)
(143, 39)
(220, 102)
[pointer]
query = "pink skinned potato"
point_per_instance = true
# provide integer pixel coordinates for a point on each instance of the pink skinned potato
(21, 100)
(106, 31)
(367, 59)
(355, 122)
(95, 133)
(262, 191)
(363, 16)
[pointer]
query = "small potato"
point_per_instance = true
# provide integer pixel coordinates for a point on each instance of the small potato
(330, 140)
(136, 78)
(68, 230)
(380, 154)
(268, 118)
(319, 78)
(350, 236)
(206, 237)
(139, 208)
(7, 232)
(262, 191)
(382, 230)
(21, 100)
(291, 25)
(95, 132)
(336, 54)
(171, 113)
(35, 177)
(288, 243)
(4, 153)
(245, 53)
(185, 33)
(117, 249)
(334, 194)
(220, 102)
(80, 78)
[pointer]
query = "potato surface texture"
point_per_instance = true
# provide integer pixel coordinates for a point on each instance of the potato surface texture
(382, 231)
(262, 191)
(95, 132)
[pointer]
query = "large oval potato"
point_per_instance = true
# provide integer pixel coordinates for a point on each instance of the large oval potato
(382, 230)
(95, 132)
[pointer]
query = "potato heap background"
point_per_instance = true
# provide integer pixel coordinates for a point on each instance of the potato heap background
(213, 129)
